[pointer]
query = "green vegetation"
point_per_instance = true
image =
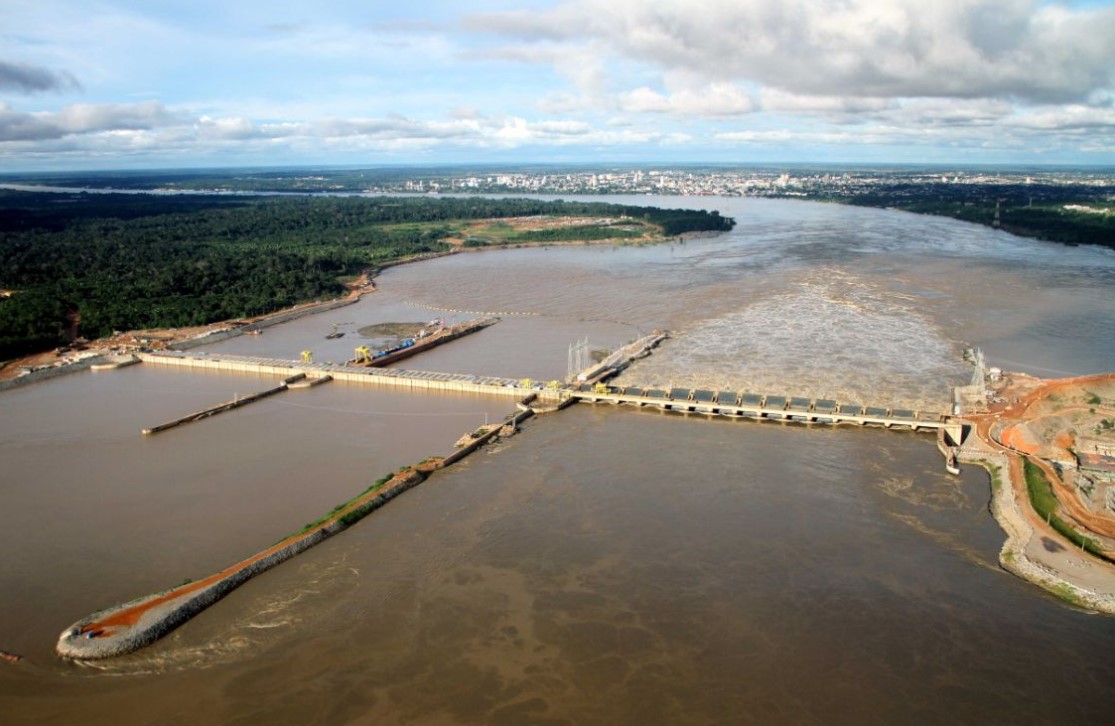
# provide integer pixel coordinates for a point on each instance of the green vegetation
(1093, 400)
(504, 234)
(996, 478)
(322, 520)
(1045, 504)
(1069, 214)
(1041, 494)
(351, 518)
(565, 234)
(90, 264)
(1067, 593)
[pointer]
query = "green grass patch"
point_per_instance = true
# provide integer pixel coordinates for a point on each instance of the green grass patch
(996, 476)
(351, 518)
(1041, 494)
(333, 513)
(585, 233)
(380, 482)
(500, 233)
(1066, 593)
(1045, 504)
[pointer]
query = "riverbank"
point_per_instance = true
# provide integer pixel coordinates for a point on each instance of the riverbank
(1034, 550)
(50, 364)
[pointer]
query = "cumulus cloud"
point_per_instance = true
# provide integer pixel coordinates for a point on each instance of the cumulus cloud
(772, 99)
(1074, 118)
(151, 128)
(27, 78)
(233, 128)
(83, 119)
(715, 99)
(855, 48)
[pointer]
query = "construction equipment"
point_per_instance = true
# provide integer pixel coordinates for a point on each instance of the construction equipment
(307, 356)
(363, 355)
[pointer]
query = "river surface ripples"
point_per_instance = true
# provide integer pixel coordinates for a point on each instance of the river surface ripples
(607, 565)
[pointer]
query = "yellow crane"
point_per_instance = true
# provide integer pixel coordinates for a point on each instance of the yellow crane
(307, 356)
(363, 355)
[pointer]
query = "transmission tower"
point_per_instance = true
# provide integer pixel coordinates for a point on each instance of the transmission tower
(579, 358)
(979, 375)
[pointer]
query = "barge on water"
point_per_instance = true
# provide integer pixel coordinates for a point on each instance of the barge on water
(413, 346)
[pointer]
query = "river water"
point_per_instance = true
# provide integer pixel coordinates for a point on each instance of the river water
(607, 565)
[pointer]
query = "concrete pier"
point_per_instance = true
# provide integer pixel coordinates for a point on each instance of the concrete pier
(768, 407)
(126, 628)
(441, 337)
(620, 359)
(390, 377)
(111, 364)
(309, 382)
(226, 406)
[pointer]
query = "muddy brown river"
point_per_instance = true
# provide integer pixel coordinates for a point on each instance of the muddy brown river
(607, 565)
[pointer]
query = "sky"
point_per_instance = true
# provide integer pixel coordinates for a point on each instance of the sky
(92, 84)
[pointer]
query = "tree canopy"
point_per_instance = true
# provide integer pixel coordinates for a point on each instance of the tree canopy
(125, 261)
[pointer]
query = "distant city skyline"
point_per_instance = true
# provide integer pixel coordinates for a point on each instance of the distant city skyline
(128, 84)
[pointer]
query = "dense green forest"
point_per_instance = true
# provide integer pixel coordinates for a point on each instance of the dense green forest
(123, 261)
(1069, 214)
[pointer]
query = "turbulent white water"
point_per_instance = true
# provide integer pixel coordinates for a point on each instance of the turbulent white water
(609, 565)
(832, 335)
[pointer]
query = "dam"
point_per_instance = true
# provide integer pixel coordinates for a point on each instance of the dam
(738, 586)
(123, 629)
(765, 407)
(393, 377)
(589, 386)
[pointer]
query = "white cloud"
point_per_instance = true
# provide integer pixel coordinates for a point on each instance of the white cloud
(151, 128)
(859, 48)
(82, 119)
(773, 99)
(226, 128)
(1068, 118)
(644, 100)
(715, 99)
(635, 76)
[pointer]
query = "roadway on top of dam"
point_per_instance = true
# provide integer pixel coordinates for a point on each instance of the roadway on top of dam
(337, 371)
(722, 403)
(765, 407)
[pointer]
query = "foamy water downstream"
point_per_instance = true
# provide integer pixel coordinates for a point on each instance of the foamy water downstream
(607, 566)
